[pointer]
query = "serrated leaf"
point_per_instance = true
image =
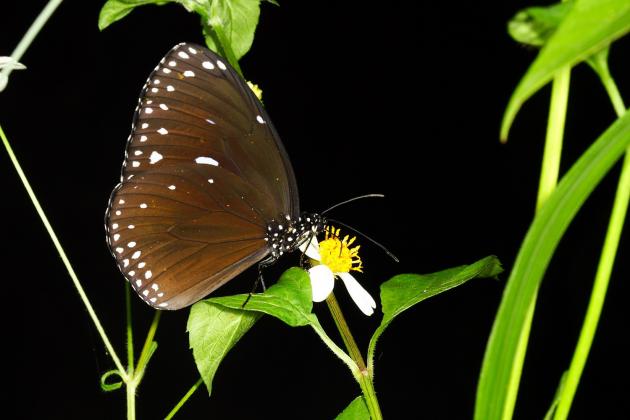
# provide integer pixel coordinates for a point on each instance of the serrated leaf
(403, 291)
(590, 26)
(288, 300)
(213, 330)
(356, 410)
(531, 263)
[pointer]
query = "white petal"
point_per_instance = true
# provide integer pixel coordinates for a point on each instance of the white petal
(313, 249)
(361, 297)
(322, 281)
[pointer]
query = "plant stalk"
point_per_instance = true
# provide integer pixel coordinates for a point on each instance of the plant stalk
(606, 261)
(28, 38)
(364, 378)
(548, 181)
(185, 398)
(64, 258)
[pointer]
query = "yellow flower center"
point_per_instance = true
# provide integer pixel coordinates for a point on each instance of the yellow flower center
(337, 254)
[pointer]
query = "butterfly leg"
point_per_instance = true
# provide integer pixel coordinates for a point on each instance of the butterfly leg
(259, 280)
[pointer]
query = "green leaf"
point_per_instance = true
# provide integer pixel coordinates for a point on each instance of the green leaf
(535, 25)
(230, 26)
(536, 251)
(590, 26)
(212, 331)
(403, 291)
(114, 10)
(288, 300)
(357, 410)
(215, 325)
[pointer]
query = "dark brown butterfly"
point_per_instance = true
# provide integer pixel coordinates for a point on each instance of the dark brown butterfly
(206, 190)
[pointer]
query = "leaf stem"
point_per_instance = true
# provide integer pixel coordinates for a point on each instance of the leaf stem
(606, 261)
(148, 348)
(28, 38)
(64, 257)
(184, 399)
(365, 377)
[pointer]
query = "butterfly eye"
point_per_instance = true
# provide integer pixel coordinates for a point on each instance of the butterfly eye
(206, 189)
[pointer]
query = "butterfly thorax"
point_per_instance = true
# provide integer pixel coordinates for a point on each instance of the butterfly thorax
(286, 234)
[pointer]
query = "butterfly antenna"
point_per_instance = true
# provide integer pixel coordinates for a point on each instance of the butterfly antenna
(392, 256)
(353, 199)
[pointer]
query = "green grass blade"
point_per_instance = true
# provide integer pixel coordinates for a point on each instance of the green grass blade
(590, 26)
(539, 245)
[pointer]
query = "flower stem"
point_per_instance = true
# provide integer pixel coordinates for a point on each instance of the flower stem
(365, 378)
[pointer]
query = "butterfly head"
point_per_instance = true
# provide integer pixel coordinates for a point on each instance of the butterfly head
(287, 233)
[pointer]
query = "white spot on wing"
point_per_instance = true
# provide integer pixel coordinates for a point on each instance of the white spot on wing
(116, 236)
(182, 54)
(138, 283)
(170, 88)
(145, 292)
(155, 286)
(211, 181)
(145, 125)
(130, 227)
(207, 65)
(221, 65)
(166, 70)
(143, 138)
(125, 262)
(155, 157)
(189, 73)
(192, 50)
(164, 107)
(260, 119)
(135, 163)
(171, 187)
(143, 205)
(137, 152)
(136, 255)
(148, 274)
(172, 63)
(206, 160)
(119, 250)
(131, 244)
(210, 121)
(115, 226)
(163, 304)
(118, 212)
(141, 265)
(163, 131)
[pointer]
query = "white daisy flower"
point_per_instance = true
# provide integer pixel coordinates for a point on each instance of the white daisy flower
(334, 258)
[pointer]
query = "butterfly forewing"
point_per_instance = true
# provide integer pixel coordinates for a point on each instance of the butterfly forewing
(204, 172)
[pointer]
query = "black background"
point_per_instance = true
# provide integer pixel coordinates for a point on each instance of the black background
(395, 98)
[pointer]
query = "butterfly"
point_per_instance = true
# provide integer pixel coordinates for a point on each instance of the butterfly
(207, 189)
